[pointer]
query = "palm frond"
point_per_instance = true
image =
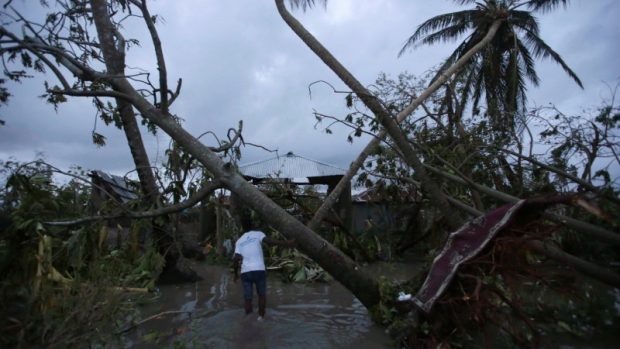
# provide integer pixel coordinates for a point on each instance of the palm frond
(454, 56)
(446, 34)
(524, 20)
(469, 73)
(511, 76)
(465, 2)
(478, 85)
(528, 63)
(500, 71)
(518, 97)
(546, 5)
(541, 49)
(437, 23)
(515, 84)
(494, 86)
(306, 4)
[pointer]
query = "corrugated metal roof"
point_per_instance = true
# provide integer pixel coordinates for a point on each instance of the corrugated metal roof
(117, 184)
(289, 166)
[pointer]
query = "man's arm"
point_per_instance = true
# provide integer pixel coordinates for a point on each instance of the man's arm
(237, 259)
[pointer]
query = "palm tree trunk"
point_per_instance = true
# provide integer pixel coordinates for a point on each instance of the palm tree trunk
(411, 157)
(429, 186)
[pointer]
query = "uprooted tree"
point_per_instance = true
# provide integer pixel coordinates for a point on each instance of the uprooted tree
(75, 45)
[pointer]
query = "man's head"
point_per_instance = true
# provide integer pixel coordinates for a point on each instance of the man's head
(247, 223)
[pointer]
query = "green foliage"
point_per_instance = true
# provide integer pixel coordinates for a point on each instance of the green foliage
(4, 92)
(581, 143)
(581, 146)
(293, 265)
(463, 145)
(107, 111)
(296, 267)
(98, 139)
(57, 279)
(54, 96)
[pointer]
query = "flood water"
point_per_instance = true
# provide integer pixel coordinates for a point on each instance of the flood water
(209, 314)
(314, 315)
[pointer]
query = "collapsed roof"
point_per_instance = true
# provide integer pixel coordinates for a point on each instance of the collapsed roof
(291, 167)
(114, 185)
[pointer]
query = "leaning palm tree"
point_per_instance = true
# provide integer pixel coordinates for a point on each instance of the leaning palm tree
(499, 71)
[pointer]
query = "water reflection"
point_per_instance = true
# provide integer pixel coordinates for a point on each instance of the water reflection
(298, 316)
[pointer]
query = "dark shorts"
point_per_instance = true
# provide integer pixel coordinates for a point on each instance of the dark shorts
(256, 277)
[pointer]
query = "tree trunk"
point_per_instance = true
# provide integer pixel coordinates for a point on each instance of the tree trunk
(219, 228)
(337, 264)
(112, 46)
(341, 267)
(411, 157)
(208, 219)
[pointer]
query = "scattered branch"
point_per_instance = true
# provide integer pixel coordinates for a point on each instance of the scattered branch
(193, 200)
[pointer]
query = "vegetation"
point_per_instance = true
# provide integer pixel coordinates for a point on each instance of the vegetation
(51, 275)
(500, 70)
(509, 290)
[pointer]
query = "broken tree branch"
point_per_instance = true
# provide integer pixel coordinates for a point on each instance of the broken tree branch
(201, 194)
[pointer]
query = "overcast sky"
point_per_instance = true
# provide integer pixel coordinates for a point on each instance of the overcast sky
(239, 61)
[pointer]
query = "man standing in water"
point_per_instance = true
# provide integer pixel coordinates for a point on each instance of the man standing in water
(249, 256)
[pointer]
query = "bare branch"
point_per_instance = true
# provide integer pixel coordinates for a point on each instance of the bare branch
(586, 228)
(377, 108)
(159, 53)
(201, 194)
(565, 174)
(326, 83)
(231, 140)
(89, 93)
(176, 92)
(80, 178)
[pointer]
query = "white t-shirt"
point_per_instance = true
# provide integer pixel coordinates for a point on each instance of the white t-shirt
(249, 246)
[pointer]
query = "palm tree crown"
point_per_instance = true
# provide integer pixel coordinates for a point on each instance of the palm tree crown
(499, 70)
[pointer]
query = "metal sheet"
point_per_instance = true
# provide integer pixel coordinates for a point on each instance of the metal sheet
(289, 166)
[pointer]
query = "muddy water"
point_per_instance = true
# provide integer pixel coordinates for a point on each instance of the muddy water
(210, 315)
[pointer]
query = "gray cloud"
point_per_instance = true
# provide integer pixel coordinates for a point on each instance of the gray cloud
(239, 61)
